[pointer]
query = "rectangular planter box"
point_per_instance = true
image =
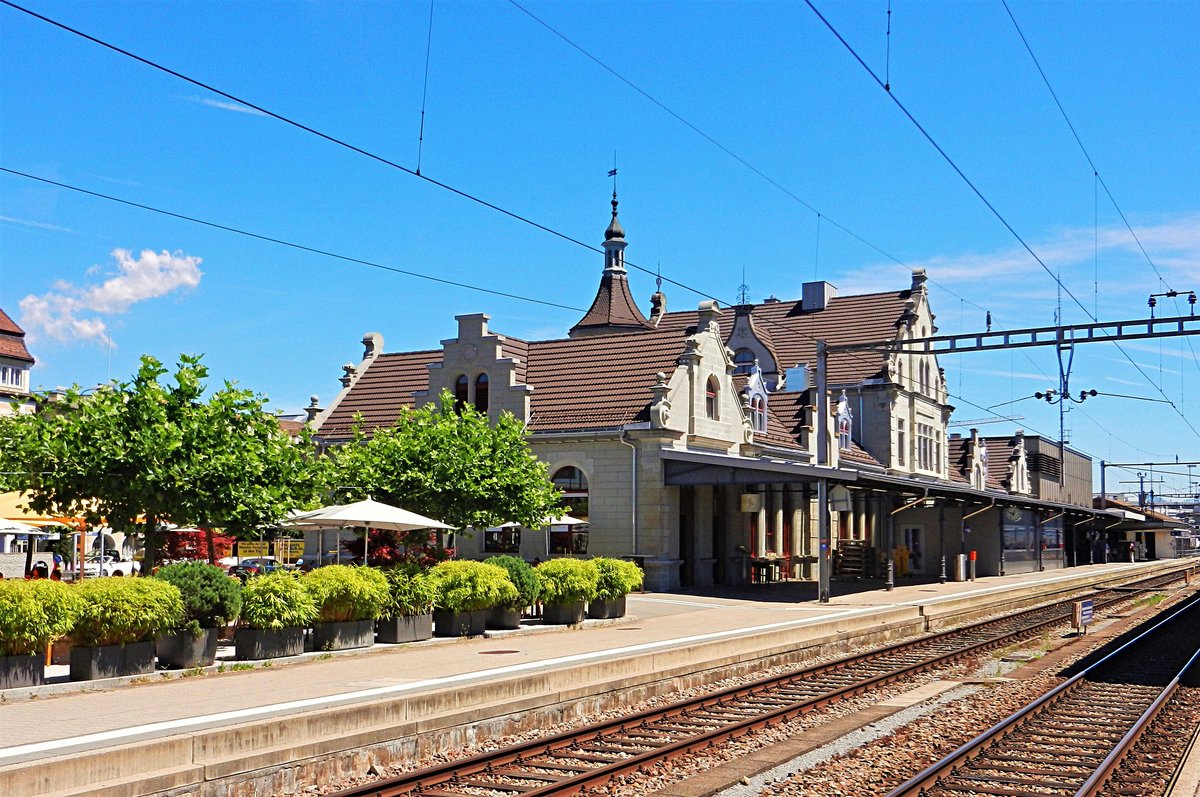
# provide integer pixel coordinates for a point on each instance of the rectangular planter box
(256, 643)
(448, 624)
(24, 670)
(112, 661)
(405, 629)
(562, 613)
(343, 636)
(606, 610)
(503, 619)
(182, 650)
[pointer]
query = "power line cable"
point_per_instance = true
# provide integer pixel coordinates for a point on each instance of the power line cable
(995, 212)
(1095, 171)
(710, 139)
(283, 242)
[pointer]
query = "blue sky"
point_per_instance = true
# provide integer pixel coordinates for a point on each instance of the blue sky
(516, 116)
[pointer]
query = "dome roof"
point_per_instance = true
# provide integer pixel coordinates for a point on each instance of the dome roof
(614, 227)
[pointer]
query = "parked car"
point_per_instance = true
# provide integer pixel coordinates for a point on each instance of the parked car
(109, 566)
(255, 566)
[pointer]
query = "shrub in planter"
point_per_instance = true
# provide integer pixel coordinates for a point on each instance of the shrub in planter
(211, 599)
(408, 614)
(116, 625)
(348, 599)
(33, 614)
(617, 579)
(529, 586)
(276, 608)
(567, 584)
(465, 591)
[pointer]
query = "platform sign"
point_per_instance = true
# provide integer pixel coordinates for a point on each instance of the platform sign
(1081, 615)
(252, 548)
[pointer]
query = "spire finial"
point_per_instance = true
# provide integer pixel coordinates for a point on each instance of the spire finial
(614, 228)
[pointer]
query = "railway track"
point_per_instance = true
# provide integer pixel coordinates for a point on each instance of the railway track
(574, 761)
(1071, 741)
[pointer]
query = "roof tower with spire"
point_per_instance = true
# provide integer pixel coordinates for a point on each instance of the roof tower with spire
(613, 310)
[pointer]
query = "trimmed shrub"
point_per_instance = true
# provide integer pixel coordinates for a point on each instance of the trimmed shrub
(568, 580)
(347, 592)
(523, 577)
(467, 586)
(119, 611)
(210, 597)
(275, 601)
(34, 614)
(411, 591)
(617, 578)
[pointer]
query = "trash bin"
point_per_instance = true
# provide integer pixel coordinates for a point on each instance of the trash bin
(958, 567)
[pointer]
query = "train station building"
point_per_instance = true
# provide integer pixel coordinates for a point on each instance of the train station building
(687, 439)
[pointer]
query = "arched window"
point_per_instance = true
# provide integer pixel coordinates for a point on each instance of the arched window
(571, 539)
(481, 392)
(712, 394)
(462, 386)
(758, 414)
(743, 360)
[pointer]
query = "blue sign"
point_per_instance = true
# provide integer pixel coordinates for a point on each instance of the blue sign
(1086, 612)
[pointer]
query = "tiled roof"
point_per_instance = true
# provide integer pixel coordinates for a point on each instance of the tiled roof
(603, 381)
(1000, 452)
(387, 385)
(519, 351)
(290, 428)
(785, 420)
(613, 306)
(1102, 502)
(793, 332)
(12, 340)
(7, 325)
(856, 453)
(599, 382)
(957, 452)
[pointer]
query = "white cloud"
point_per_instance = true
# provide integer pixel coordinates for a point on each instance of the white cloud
(227, 106)
(70, 312)
(36, 224)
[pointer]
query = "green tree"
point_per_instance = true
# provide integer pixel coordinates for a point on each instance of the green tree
(448, 463)
(135, 455)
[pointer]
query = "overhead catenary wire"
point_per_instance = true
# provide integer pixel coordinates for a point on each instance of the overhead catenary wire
(987, 203)
(283, 242)
(1097, 179)
(452, 189)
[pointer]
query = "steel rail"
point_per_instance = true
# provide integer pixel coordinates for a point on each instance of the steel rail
(425, 781)
(946, 766)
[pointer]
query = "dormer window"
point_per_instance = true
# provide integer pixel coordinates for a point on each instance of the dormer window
(12, 376)
(743, 361)
(758, 414)
(481, 392)
(712, 394)
(462, 388)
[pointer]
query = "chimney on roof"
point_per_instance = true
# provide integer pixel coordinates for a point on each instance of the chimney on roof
(771, 300)
(816, 296)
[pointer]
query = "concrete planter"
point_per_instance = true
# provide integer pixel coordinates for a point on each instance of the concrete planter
(448, 624)
(112, 661)
(606, 610)
(503, 619)
(344, 635)
(413, 628)
(258, 643)
(22, 670)
(183, 650)
(562, 613)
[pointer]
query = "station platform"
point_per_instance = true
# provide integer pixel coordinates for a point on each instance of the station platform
(279, 727)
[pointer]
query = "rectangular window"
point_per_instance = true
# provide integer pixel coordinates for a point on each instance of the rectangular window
(901, 442)
(571, 541)
(926, 450)
(502, 541)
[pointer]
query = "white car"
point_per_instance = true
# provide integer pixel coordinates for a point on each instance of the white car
(110, 566)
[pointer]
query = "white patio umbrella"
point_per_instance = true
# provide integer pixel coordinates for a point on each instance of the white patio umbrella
(16, 527)
(369, 513)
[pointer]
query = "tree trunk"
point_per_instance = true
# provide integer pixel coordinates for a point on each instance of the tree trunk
(152, 545)
(212, 546)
